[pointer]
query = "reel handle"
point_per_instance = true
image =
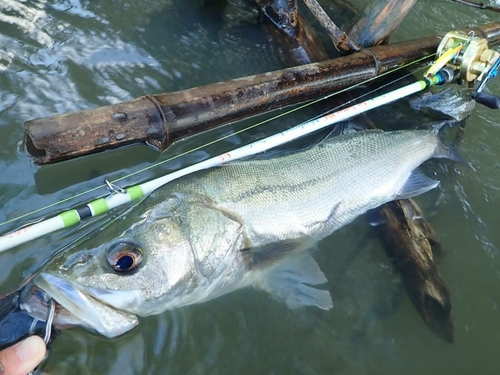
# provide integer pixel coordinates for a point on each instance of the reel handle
(488, 100)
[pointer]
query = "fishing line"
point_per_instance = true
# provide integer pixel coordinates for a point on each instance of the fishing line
(302, 106)
(345, 104)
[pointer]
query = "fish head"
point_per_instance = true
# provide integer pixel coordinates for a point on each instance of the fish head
(138, 265)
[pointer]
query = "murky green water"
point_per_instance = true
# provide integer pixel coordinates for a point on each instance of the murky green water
(62, 56)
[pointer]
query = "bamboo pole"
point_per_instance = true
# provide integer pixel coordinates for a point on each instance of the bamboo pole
(376, 22)
(162, 119)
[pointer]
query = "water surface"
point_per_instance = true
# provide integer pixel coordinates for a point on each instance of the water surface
(62, 56)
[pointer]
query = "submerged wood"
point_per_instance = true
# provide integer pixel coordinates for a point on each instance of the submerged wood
(162, 119)
(376, 22)
(340, 39)
(408, 238)
(299, 47)
(409, 241)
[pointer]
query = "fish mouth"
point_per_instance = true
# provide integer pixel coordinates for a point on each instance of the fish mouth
(90, 311)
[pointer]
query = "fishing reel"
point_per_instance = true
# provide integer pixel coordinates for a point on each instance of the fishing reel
(473, 59)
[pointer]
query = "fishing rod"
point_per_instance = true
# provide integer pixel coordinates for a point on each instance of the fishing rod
(121, 196)
(438, 74)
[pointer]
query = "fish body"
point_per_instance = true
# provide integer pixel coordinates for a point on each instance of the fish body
(249, 223)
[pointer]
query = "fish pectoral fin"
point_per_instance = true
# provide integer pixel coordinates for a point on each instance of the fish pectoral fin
(290, 282)
(418, 183)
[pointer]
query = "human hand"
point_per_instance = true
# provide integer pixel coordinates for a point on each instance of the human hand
(23, 357)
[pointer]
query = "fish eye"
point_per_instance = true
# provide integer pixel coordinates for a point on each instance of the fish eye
(124, 256)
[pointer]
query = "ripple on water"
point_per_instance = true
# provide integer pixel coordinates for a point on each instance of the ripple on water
(68, 55)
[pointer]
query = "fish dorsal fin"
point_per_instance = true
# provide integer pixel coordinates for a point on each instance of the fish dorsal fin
(290, 282)
(418, 183)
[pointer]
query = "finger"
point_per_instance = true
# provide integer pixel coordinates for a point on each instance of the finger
(23, 357)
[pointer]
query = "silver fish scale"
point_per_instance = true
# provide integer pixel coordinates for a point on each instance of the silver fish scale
(311, 193)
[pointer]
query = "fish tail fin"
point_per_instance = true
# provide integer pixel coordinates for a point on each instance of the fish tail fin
(446, 149)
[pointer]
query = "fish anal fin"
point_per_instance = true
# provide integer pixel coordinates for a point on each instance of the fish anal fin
(291, 282)
(418, 183)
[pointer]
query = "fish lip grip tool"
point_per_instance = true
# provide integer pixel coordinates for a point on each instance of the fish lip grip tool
(471, 57)
(25, 312)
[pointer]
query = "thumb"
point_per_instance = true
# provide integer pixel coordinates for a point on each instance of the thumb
(23, 357)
